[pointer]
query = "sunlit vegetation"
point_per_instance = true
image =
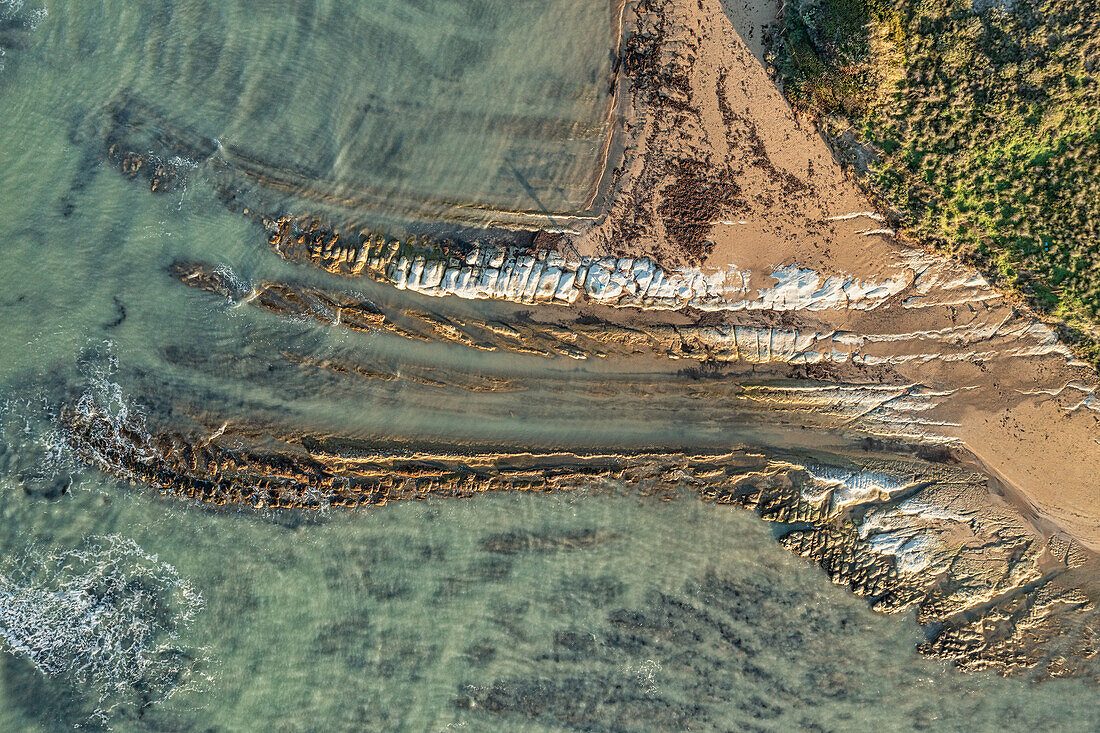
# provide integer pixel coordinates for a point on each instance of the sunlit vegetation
(977, 122)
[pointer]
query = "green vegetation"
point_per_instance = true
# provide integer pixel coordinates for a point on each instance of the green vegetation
(977, 122)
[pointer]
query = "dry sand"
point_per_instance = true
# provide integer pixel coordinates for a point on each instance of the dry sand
(716, 152)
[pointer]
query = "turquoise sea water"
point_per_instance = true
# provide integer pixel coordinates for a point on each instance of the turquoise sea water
(556, 612)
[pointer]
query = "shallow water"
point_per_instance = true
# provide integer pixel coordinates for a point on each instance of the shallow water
(681, 615)
(484, 102)
(604, 612)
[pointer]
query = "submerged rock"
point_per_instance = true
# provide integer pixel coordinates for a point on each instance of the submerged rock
(991, 590)
(511, 543)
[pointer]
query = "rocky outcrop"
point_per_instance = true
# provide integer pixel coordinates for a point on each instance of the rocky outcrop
(859, 379)
(163, 175)
(906, 533)
(142, 148)
(524, 276)
(990, 589)
(583, 338)
(882, 356)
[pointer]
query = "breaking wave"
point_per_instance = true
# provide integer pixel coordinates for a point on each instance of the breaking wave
(123, 420)
(107, 616)
(36, 450)
(12, 13)
(12, 10)
(33, 448)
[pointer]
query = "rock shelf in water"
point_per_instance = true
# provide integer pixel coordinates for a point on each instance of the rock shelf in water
(904, 532)
(886, 354)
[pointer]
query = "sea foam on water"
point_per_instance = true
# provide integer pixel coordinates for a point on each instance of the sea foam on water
(107, 616)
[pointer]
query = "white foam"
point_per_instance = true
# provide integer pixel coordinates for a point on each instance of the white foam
(107, 615)
(8, 8)
(32, 443)
(104, 403)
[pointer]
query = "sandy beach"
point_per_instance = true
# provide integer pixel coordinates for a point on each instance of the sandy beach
(1030, 412)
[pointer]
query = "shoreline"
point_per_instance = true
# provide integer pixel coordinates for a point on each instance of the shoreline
(620, 107)
(818, 317)
(782, 158)
(751, 187)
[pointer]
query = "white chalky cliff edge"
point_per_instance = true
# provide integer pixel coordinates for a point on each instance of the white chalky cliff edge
(503, 274)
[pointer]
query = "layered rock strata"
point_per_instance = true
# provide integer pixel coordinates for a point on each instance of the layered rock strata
(881, 398)
(856, 330)
(991, 591)
(524, 276)
(581, 339)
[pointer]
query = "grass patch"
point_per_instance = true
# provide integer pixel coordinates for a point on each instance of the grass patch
(983, 117)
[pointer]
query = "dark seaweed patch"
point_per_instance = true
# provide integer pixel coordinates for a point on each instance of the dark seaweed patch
(514, 542)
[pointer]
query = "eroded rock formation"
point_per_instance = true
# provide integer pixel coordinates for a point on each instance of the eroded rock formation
(907, 533)
(834, 326)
